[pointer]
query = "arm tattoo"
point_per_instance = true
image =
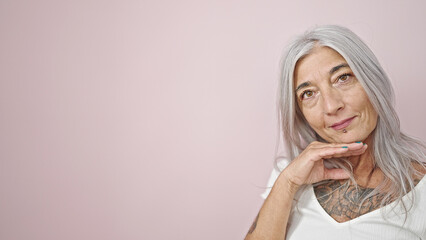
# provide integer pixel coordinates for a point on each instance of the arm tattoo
(253, 226)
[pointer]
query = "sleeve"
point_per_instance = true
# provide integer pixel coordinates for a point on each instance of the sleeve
(276, 171)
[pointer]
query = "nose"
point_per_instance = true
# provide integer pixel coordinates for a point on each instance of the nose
(332, 101)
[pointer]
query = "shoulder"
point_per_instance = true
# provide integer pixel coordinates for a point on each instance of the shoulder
(281, 164)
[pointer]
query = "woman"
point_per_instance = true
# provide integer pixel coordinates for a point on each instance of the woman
(353, 174)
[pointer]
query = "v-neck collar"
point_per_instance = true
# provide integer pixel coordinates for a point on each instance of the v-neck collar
(354, 220)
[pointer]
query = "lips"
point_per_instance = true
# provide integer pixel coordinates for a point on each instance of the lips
(342, 124)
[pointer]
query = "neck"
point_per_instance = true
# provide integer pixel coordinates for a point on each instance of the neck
(364, 170)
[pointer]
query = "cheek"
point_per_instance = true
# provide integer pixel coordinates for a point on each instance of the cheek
(314, 118)
(365, 107)
(363, 103)
(372, 116)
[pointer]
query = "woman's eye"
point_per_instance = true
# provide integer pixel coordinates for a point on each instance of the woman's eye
(344, 77)
(306, 94)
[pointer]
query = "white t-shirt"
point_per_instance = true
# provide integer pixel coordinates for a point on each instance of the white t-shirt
(308, 220)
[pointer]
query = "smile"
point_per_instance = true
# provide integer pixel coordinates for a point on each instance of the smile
(342, 124)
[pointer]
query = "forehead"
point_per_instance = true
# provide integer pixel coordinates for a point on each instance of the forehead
(319, 61)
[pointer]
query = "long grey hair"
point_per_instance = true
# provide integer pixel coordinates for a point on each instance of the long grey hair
(394, 152)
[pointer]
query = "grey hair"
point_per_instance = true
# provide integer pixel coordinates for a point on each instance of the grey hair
(393, 151)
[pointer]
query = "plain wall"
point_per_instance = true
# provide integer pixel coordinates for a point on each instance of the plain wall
(156, 119)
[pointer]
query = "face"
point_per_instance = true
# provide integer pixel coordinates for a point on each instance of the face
(332, 99)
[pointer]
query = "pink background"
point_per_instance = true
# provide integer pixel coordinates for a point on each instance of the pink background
(156, 119)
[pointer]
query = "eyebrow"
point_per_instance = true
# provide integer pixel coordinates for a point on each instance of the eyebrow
(332, 70)
(305, 84)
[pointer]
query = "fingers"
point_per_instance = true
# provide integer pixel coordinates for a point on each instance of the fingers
(351, 146)
(354, 152)
(327, 151)
(330, 152)
(308, 167)
(355, 146)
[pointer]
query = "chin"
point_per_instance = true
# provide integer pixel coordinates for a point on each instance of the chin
(351, 138)
(344, 138)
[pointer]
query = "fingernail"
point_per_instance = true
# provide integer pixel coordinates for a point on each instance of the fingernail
(365, 144)
(344, 147)
(358, 142)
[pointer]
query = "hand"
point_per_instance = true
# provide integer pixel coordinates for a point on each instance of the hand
(309, 167)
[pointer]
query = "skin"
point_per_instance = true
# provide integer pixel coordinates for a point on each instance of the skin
(327, 99)
(332, 98)
(332, 95)
(307, 168)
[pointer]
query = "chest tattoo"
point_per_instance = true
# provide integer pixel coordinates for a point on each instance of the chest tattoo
(342, 203)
